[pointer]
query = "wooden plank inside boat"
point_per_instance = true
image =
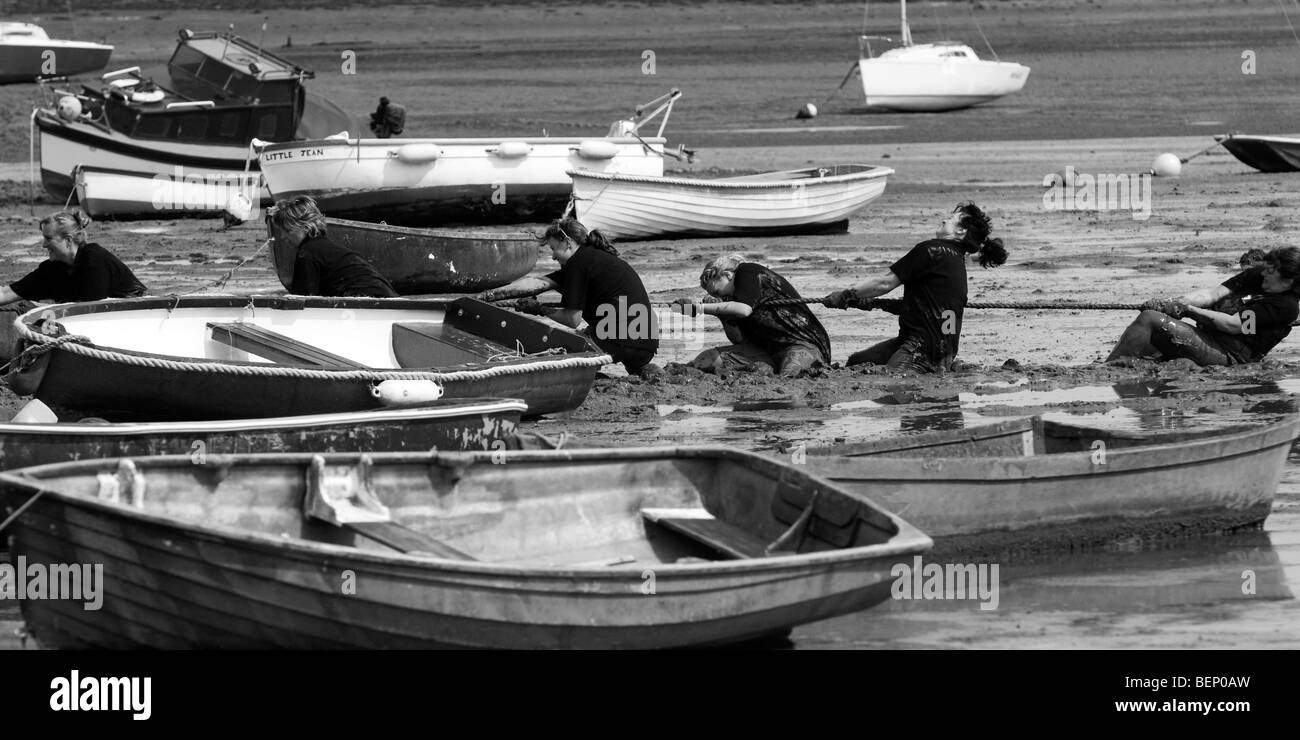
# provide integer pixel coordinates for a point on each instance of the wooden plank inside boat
(274, 346)
(702, 527)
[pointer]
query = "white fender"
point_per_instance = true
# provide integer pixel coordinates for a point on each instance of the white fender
(418, 153)
(597, 149)
(406, 392)
(513, 149)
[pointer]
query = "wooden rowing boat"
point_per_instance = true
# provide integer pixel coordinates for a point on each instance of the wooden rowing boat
(1264, 153)
(231, 357)
(108, 193)
(445, 424)
(628, 548)
(629, 206)
(421, 261)
(1032, 483)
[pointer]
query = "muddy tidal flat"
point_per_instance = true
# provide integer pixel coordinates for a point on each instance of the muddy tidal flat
(1113, 85)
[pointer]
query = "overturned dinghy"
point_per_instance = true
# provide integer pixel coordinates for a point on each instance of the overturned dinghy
(630, 548)
(232, 357)
(1034, 484)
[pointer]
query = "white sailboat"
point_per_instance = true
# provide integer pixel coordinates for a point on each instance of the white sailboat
(945, 75)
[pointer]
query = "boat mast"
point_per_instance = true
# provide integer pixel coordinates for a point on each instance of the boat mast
(907, 32)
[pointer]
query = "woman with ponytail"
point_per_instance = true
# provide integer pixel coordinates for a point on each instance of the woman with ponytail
(933, 276)
(77, 269)
(596, 287)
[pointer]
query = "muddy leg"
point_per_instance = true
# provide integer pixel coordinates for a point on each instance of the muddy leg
(1177, 339)
(1136, 339)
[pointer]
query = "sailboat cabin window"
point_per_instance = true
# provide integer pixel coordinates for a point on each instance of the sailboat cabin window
(958, 53)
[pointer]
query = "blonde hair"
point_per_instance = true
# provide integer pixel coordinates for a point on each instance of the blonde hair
(70, 224)
(719, 265)
(298, 213)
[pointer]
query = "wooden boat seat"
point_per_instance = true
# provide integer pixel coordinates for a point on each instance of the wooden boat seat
(701, 526)
(407, 540)
(276, 347)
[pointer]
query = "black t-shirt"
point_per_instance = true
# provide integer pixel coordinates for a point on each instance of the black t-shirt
(1272, 312)
(933, 274)
(611, 297)
(324, 268)
(95, 273)
(776, 328)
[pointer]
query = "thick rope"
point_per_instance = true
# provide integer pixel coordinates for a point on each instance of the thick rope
(877, 302)
(79, 345)
(1023, 305)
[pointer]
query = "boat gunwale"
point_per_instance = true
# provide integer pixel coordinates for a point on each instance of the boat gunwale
(453, 409)
(268, 146)
(1252, 439)
(509, 237)
(907, 540)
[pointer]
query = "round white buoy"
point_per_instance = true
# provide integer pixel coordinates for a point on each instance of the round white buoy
(807, 111)
(1167, 165)
(69, 108)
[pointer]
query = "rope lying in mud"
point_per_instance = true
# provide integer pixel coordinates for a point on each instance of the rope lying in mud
(79, 345)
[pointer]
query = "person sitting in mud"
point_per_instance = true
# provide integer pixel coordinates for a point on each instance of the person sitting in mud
(598, 288)
(77, 269)
(787, 340)
(1270, 303)
(933, 276)
(320, 266)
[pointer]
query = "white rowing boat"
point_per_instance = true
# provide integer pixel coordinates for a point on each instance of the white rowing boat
(789, 202)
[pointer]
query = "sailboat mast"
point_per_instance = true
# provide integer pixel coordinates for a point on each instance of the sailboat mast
(907, 32)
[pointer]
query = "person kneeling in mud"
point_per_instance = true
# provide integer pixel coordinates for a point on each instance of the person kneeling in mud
(933, 276)
(785, 339)
(1269, 302)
